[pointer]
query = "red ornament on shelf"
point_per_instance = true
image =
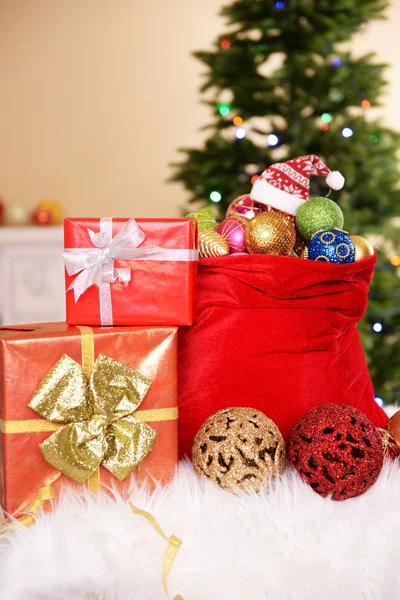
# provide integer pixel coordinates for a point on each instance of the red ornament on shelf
(47, 212)
(1, 211)
(336, 450)
(42, 217)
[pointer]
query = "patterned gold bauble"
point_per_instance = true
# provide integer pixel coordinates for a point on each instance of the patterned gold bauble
(212, 244)
(362, 246)
(239, 448)
(270, 233)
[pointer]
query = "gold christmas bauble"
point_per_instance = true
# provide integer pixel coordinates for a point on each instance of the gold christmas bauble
(362, 246)
(212, 244)
(270, 233)
(239, 449)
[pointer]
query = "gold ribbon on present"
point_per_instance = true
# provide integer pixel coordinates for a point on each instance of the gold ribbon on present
(96, 416)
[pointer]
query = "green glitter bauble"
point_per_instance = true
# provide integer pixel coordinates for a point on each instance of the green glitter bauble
(317, 214)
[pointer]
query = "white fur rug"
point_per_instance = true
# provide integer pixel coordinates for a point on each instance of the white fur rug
(287, 543)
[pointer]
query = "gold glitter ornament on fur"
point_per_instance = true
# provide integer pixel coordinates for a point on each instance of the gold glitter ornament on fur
(239, 448)
(270, 233)
(212, 244)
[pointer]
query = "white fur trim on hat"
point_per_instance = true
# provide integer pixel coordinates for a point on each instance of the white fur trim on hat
(335, 180)
(265, 193)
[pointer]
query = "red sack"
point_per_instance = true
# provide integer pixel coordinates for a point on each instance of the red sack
(277, 334)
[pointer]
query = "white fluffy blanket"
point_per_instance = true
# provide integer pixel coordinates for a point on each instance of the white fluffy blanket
(285, 543)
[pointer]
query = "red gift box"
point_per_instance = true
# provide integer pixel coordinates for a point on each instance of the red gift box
(28, 353)
(150, 281)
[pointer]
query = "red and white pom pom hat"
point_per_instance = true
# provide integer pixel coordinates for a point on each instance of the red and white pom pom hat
(286, 186)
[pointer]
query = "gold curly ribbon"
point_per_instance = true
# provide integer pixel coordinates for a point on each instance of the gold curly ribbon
(172, 549)
(45, 493)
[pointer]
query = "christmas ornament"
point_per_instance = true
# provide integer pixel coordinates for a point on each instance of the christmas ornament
(41, 217)
(336, 450)
(16, 215)
(244, 207)
(285, 186)
(239, 448)
(205, 219)
(52, 208)
(362, 247)
(333, 246)
(390, 447)
(318, 214)
(2, 206)
(232, 230)
(270, 233)
(393, 427)
(211, 244)
(299, 246)
(391, 436)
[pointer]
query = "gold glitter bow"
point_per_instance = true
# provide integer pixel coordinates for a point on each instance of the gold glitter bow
(96, 413)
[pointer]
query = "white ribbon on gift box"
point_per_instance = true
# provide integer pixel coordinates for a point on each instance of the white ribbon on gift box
(96, 265)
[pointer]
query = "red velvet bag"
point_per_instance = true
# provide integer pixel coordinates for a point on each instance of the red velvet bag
(277, 334)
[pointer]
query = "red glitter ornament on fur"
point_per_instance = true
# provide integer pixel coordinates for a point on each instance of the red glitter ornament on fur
(336, 450)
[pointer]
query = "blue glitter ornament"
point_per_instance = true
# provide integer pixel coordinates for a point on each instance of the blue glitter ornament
(331, 245)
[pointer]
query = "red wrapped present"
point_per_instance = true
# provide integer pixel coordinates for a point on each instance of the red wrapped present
(130, 272)
(85, 407)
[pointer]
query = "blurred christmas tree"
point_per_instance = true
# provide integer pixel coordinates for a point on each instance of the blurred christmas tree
(281, 83)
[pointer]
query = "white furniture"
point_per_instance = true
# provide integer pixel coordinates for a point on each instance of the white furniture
(32, 288)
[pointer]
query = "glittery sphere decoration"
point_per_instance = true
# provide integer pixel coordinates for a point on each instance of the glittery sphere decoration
(232, 229)
(331, 246)
(362, 247)
(270, 233)
(299, 246)
(211, 244)
(239, 448)
(391, 436)
(317, 214)
(244, 207)
(336, 450)
(205, 219)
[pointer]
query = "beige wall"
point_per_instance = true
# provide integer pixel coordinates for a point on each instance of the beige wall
(96, 95)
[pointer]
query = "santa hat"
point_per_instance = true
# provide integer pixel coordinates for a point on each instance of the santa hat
(286, 186)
